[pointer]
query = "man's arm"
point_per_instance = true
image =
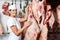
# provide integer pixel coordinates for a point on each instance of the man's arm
(18, 32)
(25, 17)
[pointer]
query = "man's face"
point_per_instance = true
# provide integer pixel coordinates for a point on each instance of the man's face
(13, 12)
(58, 14)
(5, 5)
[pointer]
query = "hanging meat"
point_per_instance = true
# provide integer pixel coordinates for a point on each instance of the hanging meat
(38, 9)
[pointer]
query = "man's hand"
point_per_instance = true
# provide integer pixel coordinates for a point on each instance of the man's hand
(26, 9)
